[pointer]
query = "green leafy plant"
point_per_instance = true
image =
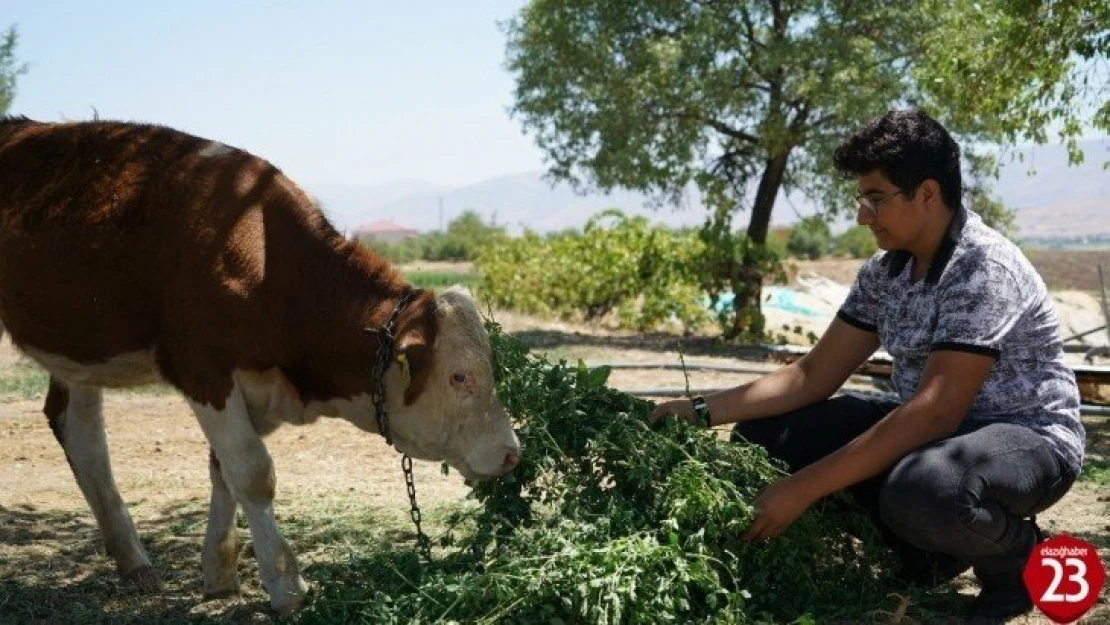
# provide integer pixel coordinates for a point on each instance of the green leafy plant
(610, 520)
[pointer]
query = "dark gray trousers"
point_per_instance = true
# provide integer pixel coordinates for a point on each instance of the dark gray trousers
(962, 500)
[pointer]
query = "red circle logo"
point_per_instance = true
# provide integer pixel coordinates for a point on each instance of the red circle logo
(1064, 576)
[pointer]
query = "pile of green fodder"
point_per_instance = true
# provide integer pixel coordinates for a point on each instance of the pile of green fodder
(610, 520)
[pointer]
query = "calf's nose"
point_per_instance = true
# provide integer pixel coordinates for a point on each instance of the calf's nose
(511, 460)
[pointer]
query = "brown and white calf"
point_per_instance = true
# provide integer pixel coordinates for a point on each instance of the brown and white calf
(135, 253)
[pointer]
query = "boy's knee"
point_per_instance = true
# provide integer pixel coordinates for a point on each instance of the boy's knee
(921, 516)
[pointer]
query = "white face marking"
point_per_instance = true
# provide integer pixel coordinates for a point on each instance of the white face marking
(215, 148)
(122, 370)
(457, 416)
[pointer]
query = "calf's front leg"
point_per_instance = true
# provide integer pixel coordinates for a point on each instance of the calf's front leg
(248, 473)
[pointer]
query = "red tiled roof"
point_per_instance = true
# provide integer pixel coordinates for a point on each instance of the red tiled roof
(383, 226)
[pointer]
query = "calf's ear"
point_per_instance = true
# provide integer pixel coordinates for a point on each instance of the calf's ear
(416, 345)
(416, 368)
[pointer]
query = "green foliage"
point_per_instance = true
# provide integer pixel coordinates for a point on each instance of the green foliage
(747, 99)
(1096, 470)
(620, 266)
(1017, 69)
(441, 279)
(465, 236)
(23, 380)
(810, 238)
(857, 242)
(978, 196)
(730, 262)
(608, 520)
(398, 252)
(9, 69)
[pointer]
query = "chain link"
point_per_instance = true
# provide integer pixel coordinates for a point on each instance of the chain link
(479, 553)
(423, 543)
(386, 348)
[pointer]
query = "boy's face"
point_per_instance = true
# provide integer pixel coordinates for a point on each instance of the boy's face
(885, 209)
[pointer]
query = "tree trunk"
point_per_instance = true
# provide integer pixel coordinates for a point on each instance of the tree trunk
(748, 283)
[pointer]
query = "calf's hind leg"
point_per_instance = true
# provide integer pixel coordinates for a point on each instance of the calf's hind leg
(75, 413)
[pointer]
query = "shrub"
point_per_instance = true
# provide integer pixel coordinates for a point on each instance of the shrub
(641, 275)
(857, 242)
(810, 238)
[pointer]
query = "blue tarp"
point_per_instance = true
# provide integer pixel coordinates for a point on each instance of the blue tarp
(774, 298)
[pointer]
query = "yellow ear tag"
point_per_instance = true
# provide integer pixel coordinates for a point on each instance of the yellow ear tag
(405, 373)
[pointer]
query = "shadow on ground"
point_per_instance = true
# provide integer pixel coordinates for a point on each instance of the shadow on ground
(53, 568)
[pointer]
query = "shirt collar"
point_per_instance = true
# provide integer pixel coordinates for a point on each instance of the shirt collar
(897, 260)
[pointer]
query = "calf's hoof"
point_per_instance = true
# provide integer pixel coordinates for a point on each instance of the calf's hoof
(292, 600)
(222, 585)
(144, 578)
(221, 593)
(288, 604)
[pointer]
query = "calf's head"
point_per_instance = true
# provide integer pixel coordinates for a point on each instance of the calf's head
(442, 399)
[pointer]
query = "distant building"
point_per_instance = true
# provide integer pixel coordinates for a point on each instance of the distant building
(384, 230)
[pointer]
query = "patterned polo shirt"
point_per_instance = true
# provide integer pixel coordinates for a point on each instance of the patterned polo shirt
(980, 295)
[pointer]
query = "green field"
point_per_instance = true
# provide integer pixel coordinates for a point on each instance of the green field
(441, 279)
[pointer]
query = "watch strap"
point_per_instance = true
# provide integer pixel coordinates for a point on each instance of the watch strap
(701, 411)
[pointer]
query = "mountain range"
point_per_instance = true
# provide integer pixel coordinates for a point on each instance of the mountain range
(1051, 199)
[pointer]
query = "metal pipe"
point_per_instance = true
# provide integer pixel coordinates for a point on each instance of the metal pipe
(1083, 334)
(1092, 410)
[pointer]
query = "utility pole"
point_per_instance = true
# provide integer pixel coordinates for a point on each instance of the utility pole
(441, 213)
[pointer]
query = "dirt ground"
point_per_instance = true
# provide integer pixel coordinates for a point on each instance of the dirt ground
(48, 540)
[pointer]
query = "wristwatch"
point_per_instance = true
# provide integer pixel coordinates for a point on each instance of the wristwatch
(701, 411)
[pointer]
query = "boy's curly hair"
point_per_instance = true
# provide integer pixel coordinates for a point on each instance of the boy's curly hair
(908, 147)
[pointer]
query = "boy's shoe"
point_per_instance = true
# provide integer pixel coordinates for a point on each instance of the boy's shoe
(1004, 598)
(999, 601)
(931, 570)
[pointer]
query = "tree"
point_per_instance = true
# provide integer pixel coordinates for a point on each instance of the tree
(857, 242)
(465, 235)
(9, 70)
(809, 238)
(745, 99)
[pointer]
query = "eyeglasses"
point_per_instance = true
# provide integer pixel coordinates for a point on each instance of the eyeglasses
(872, 205)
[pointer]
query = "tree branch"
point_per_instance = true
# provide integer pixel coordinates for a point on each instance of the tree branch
(729, 131)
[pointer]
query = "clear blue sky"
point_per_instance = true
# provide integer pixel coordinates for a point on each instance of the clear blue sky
(332, 92)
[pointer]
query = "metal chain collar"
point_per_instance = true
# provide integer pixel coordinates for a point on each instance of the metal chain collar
(386, 348)
(423, 543)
